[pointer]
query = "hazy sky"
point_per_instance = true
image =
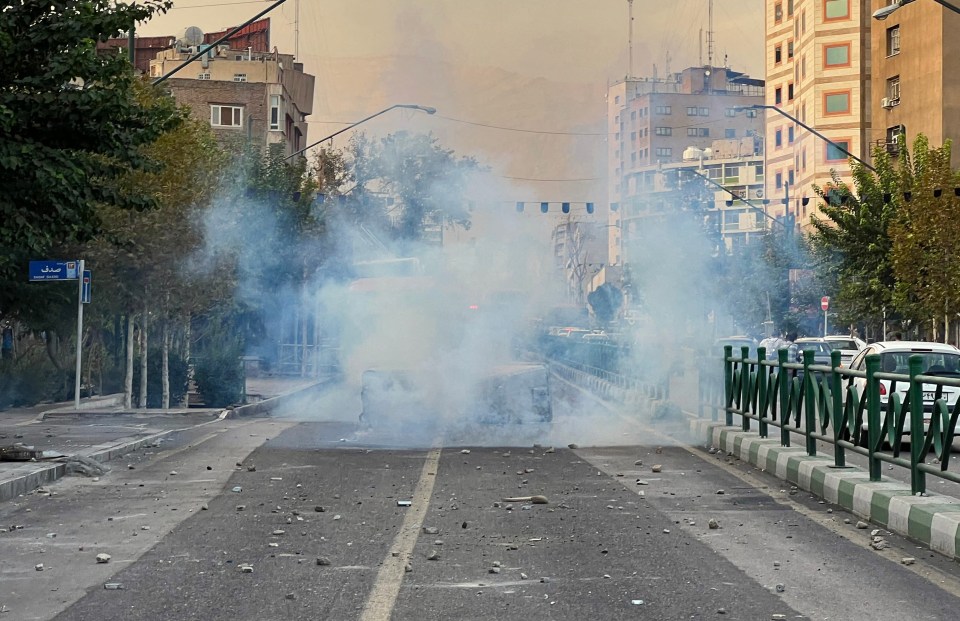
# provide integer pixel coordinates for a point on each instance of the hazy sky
(540, 65)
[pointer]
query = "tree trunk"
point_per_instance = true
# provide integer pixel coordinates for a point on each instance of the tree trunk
(186, 358)
(128, 380)
(52, 343)
(166, 365)
(143, 360)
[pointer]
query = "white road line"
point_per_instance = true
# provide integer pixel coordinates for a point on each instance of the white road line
(386, 588)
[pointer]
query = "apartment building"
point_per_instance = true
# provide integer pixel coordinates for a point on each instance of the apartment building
(916, 73)
(245, 95)
(818, 63)
(653, 122)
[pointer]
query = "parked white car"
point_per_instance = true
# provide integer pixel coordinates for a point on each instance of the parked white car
(938, 359)
(849, 346)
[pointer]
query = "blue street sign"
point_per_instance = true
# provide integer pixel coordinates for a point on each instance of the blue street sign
(85, 291)
(53, 270)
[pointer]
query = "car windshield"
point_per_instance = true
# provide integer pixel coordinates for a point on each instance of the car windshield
(841, 345)
(818, 347)
(934, 363)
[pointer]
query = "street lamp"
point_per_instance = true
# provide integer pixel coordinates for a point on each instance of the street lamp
(885, 12)
(426, 109)
(809, 129)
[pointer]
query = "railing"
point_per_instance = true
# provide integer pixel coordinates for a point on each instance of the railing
(823, 403)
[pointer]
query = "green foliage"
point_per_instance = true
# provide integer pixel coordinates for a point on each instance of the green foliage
(217, 368)
(32, 379)
(72, 125)
(177, 368)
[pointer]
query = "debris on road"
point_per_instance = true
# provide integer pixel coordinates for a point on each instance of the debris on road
(713, 524)
(879, 543)
(433, 556)
(537, 500)
(103, 558)
(862, 525)
(721, 492)
(494, 570)
(113, 586)
(279, 532)
(636, 602)
(319, 509)
(573, 446)
(404, 503)
(550, 450)
(642, 482)
(908, 560)
(465, 452)
(408, 568)
(251, 468)
(781, 588)
(323, 561)
(657, 468)
(84, 466)
(523, 576)
(245, 568)
(639, 462)
(38, 566)
(237, 489)
(431, 530)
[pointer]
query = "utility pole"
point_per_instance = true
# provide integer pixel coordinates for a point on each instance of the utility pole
(630, 39)
(710, 34)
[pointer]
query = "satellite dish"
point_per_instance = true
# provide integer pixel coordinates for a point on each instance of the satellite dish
(190, 37)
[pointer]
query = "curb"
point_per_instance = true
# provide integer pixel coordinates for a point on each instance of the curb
(268, 405)
(932, 520)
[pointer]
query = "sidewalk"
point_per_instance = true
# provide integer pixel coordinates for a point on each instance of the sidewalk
(103, 430)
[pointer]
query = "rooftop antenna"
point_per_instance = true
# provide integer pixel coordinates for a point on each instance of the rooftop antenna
(710, 33)
(296, 29)
(630, 39)
(667, 68)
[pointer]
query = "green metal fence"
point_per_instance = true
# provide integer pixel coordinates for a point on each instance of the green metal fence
(822, 403)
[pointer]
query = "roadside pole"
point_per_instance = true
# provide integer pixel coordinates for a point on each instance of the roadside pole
(76, 382)
(825, 305)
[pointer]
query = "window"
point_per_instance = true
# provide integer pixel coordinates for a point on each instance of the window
(837, 155)
(239, 77)
(691, 111)
(704, 111)
(778, 12)
(790, 48)
(664, 151)
(664, 131)
(777, 54)
(790, 91)
(633, 157)
(790, 176)
(698, 132)
(779, 180)
(837, 55)
(633, 115)
(836, 9)
(203, 76)
(803, 21)
(837, 102)
(633, 136)
(664, 110)
(274, 112)
(778, 138)
(730, 112)
(778, 96)
(751, 114)
(616, 99)
(803, 158)
(893, 88)
(729, 133)
(226, 116)
(893, 40)
(803, 66)
(789, 7)
(790, 134)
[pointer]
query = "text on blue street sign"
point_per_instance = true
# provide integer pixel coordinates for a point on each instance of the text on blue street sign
(53, 270)
(85, 290)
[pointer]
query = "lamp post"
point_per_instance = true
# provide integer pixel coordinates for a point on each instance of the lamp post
(426, 109)
(885, 12)
(809, 129)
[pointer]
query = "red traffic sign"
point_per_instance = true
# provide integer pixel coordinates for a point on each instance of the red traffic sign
(824, 303)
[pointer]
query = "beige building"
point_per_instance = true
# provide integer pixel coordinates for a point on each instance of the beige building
(243, 94)
(653, 122)
(818, 71)
(915, 55)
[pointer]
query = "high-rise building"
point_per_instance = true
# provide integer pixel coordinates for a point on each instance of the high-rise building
(654, 122)
(916, 75)
(818, 71)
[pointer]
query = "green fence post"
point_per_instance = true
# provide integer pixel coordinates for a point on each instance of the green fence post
(836, 388)
(784, 397)
(728, 383)
(746, 398)
(918, 479)
(810, 403)
(762, 390)
(873, 414)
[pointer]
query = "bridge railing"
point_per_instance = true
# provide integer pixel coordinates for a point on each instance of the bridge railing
(824, 403)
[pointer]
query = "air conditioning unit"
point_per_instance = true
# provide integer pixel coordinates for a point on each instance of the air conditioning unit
(742, 194)
(758, 193)
(886, 102)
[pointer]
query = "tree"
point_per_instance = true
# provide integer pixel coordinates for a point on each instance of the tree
(605, 301)
(72, 125)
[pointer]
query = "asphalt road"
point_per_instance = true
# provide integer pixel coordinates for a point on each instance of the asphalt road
(605, 546)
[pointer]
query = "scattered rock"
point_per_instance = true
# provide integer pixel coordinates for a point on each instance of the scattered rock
(38, 566)
(251, 468)
(523, 576)
(241, 507)
(550, 450)
(433, 556)
(639, 462)
(494, 570)
(862, 525)
(465, 452)
(781, 588)
(279, 532)
(657, 468)
(204, 508)
(103, 558)
(431, 530)
(173, 473)
(572, 446)
(713, 524)
(778, 617)
(606, 576)
(659, 450)
(908, 560)
(84, 466)
(237, 489)
(291, 596)
(323, 561)
(545, 580)
(720, 492)
(337, 517)
(408, 568)
(113, 586)
(319, 509)
(636, 602)
(537, 500)
(245, 568)
(847, 520)
(879, 545)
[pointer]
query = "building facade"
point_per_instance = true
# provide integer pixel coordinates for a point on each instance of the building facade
(916, 57)
(818, 62)
(244, 95)
(653, 122)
